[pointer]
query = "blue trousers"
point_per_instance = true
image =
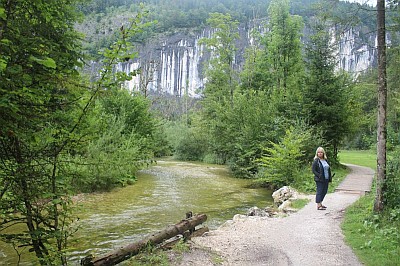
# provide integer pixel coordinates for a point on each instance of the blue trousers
(322, 189)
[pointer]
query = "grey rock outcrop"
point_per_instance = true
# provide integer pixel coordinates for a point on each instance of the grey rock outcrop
(174, 64)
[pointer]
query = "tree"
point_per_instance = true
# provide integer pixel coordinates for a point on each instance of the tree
(277, 65)
(269, 98)
(326, 96)
(44, 108)
(382, 107)
(221, 78)
(283, 46)
(40, 52)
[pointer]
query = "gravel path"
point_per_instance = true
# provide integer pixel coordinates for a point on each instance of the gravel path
(308, 237)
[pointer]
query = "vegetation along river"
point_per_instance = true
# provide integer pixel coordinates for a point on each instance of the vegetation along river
(161, 196)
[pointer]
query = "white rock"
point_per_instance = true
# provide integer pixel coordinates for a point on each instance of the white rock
(283, 194)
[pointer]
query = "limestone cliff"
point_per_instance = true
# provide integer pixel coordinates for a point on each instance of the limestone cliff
(174, 64)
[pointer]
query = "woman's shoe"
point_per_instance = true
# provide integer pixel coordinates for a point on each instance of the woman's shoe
(321, 208)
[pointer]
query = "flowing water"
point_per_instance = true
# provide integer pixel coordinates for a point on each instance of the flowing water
(161, 196)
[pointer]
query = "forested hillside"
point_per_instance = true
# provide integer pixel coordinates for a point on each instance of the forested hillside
(104, 18)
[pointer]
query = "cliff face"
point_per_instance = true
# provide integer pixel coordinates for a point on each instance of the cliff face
(174, 64)
(356, 53)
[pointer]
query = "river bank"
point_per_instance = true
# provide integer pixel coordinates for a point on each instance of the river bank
(307, 237)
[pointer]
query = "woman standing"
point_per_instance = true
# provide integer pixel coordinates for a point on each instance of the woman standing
(322, 176)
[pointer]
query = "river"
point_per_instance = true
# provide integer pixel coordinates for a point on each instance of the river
(161, 196)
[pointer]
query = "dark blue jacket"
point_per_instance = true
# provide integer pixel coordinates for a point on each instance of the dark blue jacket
(318, 171)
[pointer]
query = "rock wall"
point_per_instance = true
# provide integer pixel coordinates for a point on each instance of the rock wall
(356, 54)
(174, 64)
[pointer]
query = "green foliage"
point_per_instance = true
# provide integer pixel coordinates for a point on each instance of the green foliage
(49, 138)
(304, 181)
(327, 95)
(281, 163)
(238, 122)
(221, 77)
(392, 183)
(132, 108)
(364, 98)
(190, 148)
(283, 50)
(283, 46)
(276, 67)
(120, 149)
(218, 98)
(252, 123)
(160, 144)
(39, 104)
(393, 121)
(190, 144)
(248, 124)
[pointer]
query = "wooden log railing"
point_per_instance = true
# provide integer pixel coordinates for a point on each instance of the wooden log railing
(133, 249)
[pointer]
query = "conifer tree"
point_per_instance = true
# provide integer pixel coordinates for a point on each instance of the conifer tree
(278, 67)
(326, 93)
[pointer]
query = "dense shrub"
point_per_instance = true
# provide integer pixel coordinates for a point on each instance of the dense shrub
(281, 163)
(187, 142)
(392, 184)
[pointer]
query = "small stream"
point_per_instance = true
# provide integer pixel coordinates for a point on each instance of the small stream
(161, 196)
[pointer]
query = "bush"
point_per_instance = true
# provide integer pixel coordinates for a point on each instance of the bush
(304, 181)
(212, 158)
(110, 160)
(282, 162)
(186, 142)
(392, 183)
(190, 148)
(243, 164)
(121, 140)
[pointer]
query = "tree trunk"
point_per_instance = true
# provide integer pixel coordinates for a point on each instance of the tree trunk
(382, 107)
(127, 252)
(186, 236)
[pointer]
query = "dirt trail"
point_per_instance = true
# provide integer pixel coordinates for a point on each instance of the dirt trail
(305, 238)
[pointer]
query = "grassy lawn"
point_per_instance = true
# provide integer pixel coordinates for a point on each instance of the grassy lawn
(374, 238)
(362, 158)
